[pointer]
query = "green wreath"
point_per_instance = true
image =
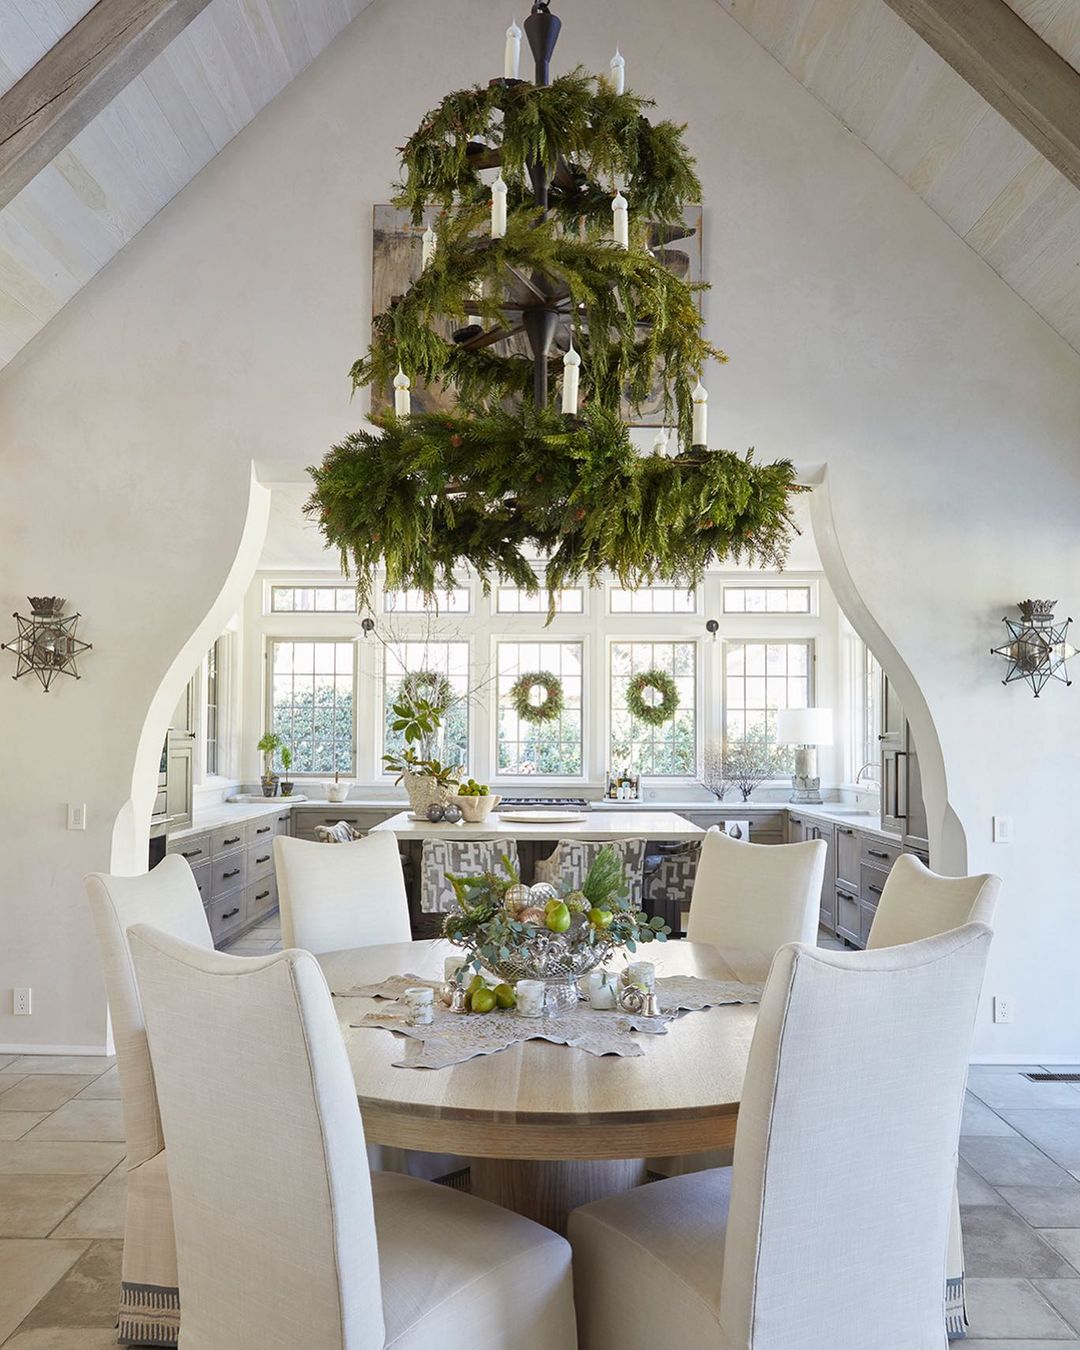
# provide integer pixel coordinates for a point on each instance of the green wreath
(654, 714)
(553, 702)
(427, 686)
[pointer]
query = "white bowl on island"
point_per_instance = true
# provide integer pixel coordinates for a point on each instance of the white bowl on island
(476, 809)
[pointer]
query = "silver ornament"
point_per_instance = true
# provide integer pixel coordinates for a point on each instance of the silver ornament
(632, 999)
(542, 892)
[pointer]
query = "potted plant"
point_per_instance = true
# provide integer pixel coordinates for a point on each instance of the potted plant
(286, 764)
(270, 744)
(427, 779)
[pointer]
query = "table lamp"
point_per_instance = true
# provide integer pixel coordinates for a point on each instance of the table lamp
(806, 728)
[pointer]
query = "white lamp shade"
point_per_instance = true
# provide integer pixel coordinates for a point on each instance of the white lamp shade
(804, 726)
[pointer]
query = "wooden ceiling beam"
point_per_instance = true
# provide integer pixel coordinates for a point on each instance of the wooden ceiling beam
(1018, 74)
(109, 46)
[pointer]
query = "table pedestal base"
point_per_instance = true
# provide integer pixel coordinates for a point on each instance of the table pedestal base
(547, 1191)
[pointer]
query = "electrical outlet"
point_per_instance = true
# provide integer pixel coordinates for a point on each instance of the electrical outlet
(1003, 829)
(21, 1002)
(76, 816)
(1003, 1008)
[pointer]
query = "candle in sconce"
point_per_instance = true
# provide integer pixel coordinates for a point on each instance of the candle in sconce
(618, 72)
(620, 216)
(571, 365)
(512, 56)
(498, 208)
(428, 239)
(660, 441)
(477, 293)
(402, 401)
(700, 399)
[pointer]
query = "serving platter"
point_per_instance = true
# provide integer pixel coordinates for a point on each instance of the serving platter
(544, 817)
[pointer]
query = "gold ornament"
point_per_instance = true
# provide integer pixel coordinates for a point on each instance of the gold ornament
(532, 914)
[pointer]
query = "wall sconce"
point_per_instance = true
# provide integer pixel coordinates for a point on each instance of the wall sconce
(1037, 650)
(46, 645)
(712, 628)
(368, 625)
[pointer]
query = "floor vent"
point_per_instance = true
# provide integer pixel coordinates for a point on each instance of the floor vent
(1053, 1077)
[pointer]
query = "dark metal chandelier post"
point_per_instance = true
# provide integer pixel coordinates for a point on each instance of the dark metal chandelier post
(541, 321)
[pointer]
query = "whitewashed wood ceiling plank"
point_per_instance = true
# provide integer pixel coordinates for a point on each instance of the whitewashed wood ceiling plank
(147, 126)
(1028, 227)
(212, 100)
(262, 68)
(216, 67)
(285, 17)
(1023, 193)
(1042, 257)
(17, 327)
(161, 80)
(27, 290)
(981, 170)
(52, 212)
(879, 55)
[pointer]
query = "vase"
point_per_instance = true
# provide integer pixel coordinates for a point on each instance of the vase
(423, 790)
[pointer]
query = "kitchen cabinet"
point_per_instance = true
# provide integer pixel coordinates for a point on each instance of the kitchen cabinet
(801, 828)
(307, 818)
(848, 847)
(902, 807)
(847, 915)
(180, 765)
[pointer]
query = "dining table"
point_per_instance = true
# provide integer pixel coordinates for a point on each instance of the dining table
(548, 1127)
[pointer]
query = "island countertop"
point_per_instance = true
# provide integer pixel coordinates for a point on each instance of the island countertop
(600, 825)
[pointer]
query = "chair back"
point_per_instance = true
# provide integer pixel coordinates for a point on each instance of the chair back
(351, 895)
(441, 858)
(275, 1232)
(568, 865)
(756, 897)
(917, 903)
(845, 1149)
(169, 898)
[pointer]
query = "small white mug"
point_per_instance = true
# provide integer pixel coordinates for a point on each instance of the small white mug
(530, 998)
(420, 1004)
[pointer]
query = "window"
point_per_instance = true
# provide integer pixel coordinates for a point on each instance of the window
(759, 679)
(652, 600)
(312, 600)
(768, 600)
(671, 748)
(415, 602)
(540, 748)
(215, 671)
(864, 705)
(511, 600)
(312, 696)
(436, 660)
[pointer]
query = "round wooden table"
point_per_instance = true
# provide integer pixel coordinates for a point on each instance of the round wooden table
(550, 1127)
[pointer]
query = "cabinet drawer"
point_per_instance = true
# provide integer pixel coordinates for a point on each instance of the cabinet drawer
(202, 880)
(228, 873)
(225, 838)
(225, 916)
(260, 899)
(263, 828)
(260, 860)
(847, 914)
(878, 852)
(283, 823)
(866, 920)
(195, 848)
(848, 848)
(871, 884)
(306, 821)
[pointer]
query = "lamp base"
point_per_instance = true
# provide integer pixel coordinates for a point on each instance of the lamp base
(805, 791)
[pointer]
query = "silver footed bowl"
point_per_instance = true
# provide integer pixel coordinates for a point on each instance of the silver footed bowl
(559, 959)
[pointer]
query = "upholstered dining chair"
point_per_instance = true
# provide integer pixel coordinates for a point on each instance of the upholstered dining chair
(284, 1238)
(169, 897)
(440, 858)
(844, 1164)
(348, 895)
(568, 865)
(917, 903)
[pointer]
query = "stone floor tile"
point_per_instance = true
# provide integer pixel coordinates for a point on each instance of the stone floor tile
(9, 1080)
(1011, 1089)
(28, 1270)
(31, 1206)
(99, 1121)
(5, 1060)
(107, 1086)
(1045, 1206)
(41, 1092)
(14, 1124)
(56, 1157)
(80, 1064)
(86, 1296)
(1011, 1162)
(1066, 1241)
(979, 1119)
(101, 1214)
(999, 1242)
(1065, 1297)
(973, 1191)
(1056, 1132)
(72, 1338)
(1000, 1308)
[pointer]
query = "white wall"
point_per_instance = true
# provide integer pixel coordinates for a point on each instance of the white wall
(864, 336)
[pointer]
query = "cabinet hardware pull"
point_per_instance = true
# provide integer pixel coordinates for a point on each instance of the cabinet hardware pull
(230, 912)
(231, 841)
(876, 853)
(262, 860)
(282, 819)
(333, 820)
(845, 895)
(262, 895)
(875, 889)
(193, 853)
(845, 829)
(234, 873)
(263, 829)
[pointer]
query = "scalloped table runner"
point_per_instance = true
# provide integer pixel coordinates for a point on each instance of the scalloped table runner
(452, 1038)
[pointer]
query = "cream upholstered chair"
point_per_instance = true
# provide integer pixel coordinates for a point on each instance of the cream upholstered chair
(844, 1162)
(350, 895)
(917, 903)
(149, 1297)
(283, 1236)
(756, 897)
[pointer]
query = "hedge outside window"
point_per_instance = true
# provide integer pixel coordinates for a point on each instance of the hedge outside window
(312, 701)
(670, 749)
(448, 659)
(540, 749)
(759, 679)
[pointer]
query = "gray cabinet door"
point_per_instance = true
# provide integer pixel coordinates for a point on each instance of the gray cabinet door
(847, 856)
(847, 915)
(827, 833)
(181, 766)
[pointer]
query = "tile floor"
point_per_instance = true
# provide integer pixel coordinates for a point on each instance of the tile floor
(62, 1202)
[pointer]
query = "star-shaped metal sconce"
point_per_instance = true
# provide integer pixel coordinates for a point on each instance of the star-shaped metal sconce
(46, 645)
(1037, 649)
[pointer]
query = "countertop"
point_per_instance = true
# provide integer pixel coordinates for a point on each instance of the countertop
(596, 825)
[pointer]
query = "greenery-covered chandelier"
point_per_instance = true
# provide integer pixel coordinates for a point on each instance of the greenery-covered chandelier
(556, 251)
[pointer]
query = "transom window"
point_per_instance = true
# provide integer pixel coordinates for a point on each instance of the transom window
(415, 602)
(768, 599)
(429, 663)
(214, 674)
(312, 697)
(652, 600)
(512, 600)
(759, 679)
(552, 748)
(312, 600)
(667, 750)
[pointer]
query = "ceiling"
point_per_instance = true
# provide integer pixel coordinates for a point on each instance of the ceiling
(942, 138)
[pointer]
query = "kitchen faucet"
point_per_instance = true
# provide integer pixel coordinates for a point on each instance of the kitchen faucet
(870, 764)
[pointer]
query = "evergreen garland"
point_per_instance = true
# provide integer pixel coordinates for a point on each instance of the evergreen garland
(553, 702)
(653, 714)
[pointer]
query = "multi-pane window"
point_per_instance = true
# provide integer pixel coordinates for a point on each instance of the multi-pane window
(312, 600)
(312, 695)
(214, 675)
(552, 747)
(652, 600)
(767, 599)
(415, 602)
(864, 706)
(759, 679)
(436, 672)
(512, 600)
(668, 749)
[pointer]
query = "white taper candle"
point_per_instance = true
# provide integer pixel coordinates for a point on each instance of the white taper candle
(620, 217)
(571, 368)
(402, 404)
(618, 72)
(498, 208)
(428, 238)
(700, 399)
(512, 56)
(660, 441)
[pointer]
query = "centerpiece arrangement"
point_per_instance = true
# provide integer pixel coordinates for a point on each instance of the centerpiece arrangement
(535, 933)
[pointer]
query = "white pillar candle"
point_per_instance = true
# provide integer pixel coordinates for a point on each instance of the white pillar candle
(601, 991)
(402, 403)
(420, 1004)
(642, 974)
(477, 293)
(700, 399)
(429, 245)
(498, 208)
(530, 998)
(620, 216)
(618, 72)
(512, 54)
(571, 370)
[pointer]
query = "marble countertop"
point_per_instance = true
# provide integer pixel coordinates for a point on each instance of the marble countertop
(596, 825)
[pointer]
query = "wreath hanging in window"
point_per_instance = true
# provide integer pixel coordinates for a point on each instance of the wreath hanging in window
(428, 686)
(549, 707)
(653, 714)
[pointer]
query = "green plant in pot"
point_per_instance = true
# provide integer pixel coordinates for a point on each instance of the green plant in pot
(268, 747)
(427, 779)
(286, 763)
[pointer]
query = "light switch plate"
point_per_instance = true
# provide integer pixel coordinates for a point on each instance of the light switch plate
(1003, 829)
(76, 816)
